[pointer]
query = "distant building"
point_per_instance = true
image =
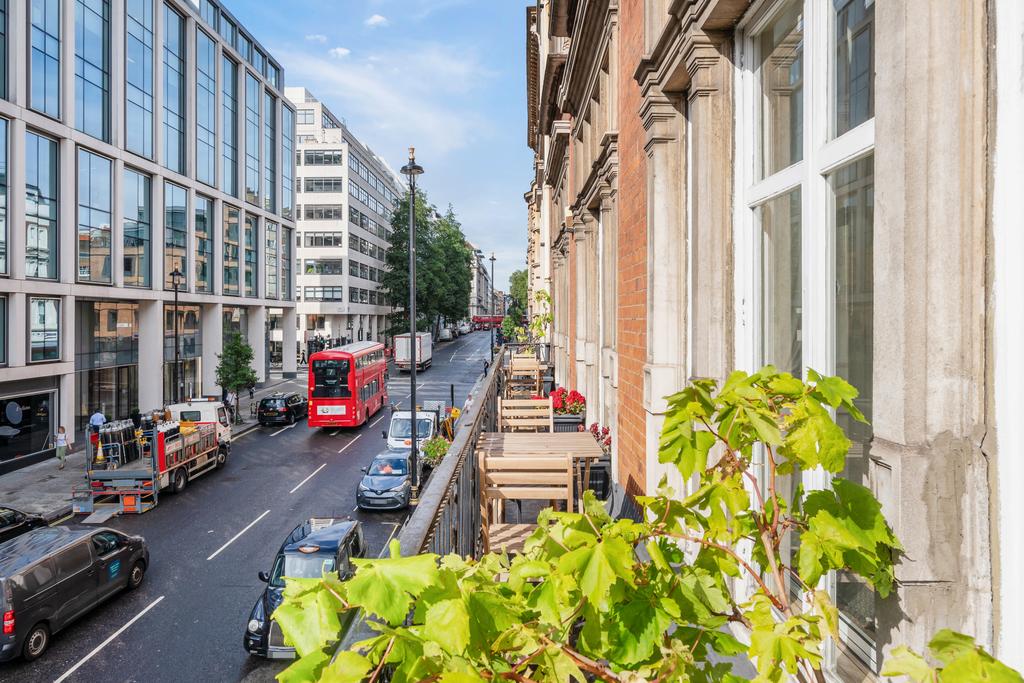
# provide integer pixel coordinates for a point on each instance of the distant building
(479, 283)
(346, 195)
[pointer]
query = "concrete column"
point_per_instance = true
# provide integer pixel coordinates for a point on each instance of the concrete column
(257, 339)
(17, 44)
(67, 212)
(581, 297)
(117, 72)
(66, 408)
(665, 370)
(289, 342)
(190, 119)
(17, 319)
(933, 454)
(67, 63)
(158, 93)
(16, 231)
(156, 244)
(217, 226)
(190, 235)
(709, 109)
(117, 224)
(151, 355)
(213, 345)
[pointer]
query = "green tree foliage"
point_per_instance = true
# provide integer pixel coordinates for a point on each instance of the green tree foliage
(518, 291)
(595, 598)
(960, 661)
(443, 261)
(234, 367)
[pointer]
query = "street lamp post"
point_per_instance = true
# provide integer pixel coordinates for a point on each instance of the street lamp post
(176, 276)
(412, 169)
(492, 307)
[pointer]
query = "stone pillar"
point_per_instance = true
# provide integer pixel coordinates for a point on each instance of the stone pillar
(932, 452)
(709, 110)
(17, 344)
(16, 231)
(67, 65)
(257, 340)
(608, 258)
(67, 236)
(212, 325)
(151, 354)
(117, 73)
(289, 342)
(117, 224)
(665, 370)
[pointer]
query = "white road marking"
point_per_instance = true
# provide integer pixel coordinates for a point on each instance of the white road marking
(284, 429)
(334, 433)
(106, 642)
(350, 443)
(236, 536)
(299, 485)
(376, 421)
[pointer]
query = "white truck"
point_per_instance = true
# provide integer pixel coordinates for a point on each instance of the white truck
(424, 351)
(428, 418)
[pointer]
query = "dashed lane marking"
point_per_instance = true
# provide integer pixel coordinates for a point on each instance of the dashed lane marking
(350, 443)
(299, 485)
(237, 536)
(284, 429)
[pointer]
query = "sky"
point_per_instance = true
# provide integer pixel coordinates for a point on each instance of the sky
(445, 76)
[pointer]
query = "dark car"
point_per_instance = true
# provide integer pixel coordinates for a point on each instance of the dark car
(387, 482)
(52, 575)
(15, 523)
(282, 407)
(321, 544)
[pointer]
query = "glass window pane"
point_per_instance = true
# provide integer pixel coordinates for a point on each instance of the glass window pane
(206, 109)
(94, 215)
(204, 244)
(252, 139)
(92, 67)
(781, 303)
(139, 77)
(136, 204)
(271, 259)
(781, 47)
(231, 247)
(251, 229)
(174, 90)
(229, 126)
(287, 153)
(44, 329)
(40, 207)
(175, 236)
(853, 186)
(854, 54)
(269, 152)
(3, 195)
(44, 74)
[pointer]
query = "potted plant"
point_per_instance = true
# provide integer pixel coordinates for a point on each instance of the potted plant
(433, 451)
(570, 409)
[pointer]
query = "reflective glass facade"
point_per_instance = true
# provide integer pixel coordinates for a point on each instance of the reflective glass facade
(94, 216)
(4, 147)
(44, 76)
(206, 109)
(136, 204)
(204, 244)
(231, 250)
(270, 253)
(287, 169)
(92, 68)
(40, 207)
(269, 152)
(44, 329)
(286, 263)
(138, 69)
(174, 90)
(251, 229)
(252, 139)
(175, 235)
(229, 126)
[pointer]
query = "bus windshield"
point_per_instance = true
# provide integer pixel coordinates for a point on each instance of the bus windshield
(330, 379)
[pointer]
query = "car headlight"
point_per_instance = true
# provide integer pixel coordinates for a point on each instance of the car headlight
(363, 488)
(255, 625)
(398, 487)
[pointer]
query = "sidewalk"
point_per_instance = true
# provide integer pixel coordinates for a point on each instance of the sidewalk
(44, 490)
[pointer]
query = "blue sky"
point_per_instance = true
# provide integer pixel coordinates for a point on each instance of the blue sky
(447, 76)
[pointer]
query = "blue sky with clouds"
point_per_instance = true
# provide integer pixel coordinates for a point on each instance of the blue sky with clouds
(447, 76)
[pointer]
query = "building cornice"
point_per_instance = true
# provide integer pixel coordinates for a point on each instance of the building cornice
(557, 150)
(591, 40)
(532, 78)
(603, 175)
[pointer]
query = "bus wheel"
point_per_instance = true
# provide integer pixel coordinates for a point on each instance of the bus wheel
(180, 480)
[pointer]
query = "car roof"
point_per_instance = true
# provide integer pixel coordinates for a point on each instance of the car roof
(28, 548)
(280, 394)
(326, 532)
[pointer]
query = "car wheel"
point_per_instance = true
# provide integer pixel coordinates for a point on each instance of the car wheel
(222, 457)
(36, 642)
(137, 574)
(180, 480)
(291, 418)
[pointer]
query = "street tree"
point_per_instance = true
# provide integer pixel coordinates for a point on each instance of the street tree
(234, 367)
(518, 291)
(453, 258)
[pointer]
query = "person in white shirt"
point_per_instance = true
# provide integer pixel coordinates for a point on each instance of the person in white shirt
(60, 443)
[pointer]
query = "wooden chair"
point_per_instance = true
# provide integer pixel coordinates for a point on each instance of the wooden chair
(523, 378)
(510, 478)
(525, 415)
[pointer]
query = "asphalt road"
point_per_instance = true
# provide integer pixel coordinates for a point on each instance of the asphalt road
(186, 622)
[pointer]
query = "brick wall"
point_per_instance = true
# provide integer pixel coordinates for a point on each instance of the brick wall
(632, 266)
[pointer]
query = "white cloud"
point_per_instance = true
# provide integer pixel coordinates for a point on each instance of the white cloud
(316, 38)
(376, 20)
(339, 52)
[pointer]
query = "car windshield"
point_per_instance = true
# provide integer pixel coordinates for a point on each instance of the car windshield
(400, 428)
(300, 566)
(395, 467)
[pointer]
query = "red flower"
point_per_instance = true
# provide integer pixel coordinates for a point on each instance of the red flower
(604, 431)
(580, 428)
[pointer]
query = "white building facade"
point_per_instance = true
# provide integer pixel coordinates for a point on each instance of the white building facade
(346, 195)
(138, 139)
(480, 288)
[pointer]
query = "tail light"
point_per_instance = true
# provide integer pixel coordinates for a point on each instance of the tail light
(8, 622)
(282, 410)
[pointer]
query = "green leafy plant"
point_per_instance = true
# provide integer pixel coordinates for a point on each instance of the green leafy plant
(434, 450)
(596, 598)
(542, 319)
(961, 660)
(234, 368)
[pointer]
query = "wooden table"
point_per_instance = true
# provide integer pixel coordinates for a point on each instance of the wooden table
(582, 446)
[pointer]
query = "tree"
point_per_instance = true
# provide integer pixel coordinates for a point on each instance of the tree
(519, 292)
(234, 369)
(453, 259)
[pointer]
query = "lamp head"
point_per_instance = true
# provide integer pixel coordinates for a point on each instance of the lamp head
(412, 169)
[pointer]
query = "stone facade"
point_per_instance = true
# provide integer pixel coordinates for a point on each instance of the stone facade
(705, 199)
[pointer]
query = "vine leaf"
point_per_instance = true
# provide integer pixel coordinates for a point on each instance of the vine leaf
(599, 566)
(386, 588)
(347, 667)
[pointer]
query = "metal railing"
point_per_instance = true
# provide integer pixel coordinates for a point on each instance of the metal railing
(447, 518)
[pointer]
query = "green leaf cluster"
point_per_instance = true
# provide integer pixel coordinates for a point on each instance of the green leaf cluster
(959, 659)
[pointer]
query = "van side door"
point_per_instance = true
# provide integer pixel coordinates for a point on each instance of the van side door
(113, 557)
(76, 581)
(35, 593)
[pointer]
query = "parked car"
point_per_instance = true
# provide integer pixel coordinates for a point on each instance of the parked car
(282, 407)
(15, 522)
(465, 328)
(387, 482)
(444, 335)
(52, 575)
(318, 545)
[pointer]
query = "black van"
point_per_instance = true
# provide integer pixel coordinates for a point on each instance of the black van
(51, 576)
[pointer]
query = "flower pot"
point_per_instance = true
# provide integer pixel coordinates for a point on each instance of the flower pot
(569, 423)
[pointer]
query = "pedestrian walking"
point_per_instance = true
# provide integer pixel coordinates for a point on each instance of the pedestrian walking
(231, 404)
(60, 443)
(252, 392)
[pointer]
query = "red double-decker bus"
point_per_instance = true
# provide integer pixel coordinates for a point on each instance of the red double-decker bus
(347, 385)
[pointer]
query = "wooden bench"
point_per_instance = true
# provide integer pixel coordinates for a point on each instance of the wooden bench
(510, 478)
(525, 415)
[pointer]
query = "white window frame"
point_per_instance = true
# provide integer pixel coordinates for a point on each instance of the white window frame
(821, 156)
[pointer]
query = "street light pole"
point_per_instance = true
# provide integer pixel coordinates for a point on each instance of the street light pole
(492, 307)
(412, 169)
(176, 276)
